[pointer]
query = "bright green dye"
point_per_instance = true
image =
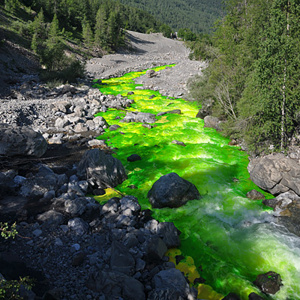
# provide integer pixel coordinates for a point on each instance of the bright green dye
(224, 232)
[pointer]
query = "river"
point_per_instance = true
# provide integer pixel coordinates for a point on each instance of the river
(226, 238)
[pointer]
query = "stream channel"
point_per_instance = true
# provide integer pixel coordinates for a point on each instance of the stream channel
(226, 238)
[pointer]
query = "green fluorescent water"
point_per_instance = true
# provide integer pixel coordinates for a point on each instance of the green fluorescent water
(230, 237)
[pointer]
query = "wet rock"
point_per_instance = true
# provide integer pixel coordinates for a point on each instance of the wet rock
(269, 283)
(174, 111)
(254, 296)
(276, 174)
(21, 141)
(172, 191)
(232, 296)
(114, 127)
(101, 170)
(255, 195)
(212, 122)
(133, 157)
(114, 284)
(178, 143)
(139, 117)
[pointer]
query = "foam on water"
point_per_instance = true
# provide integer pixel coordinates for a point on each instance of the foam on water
(230, 238)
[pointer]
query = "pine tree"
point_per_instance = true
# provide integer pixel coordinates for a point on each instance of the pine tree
(87, 33)
(101, 27)
(39, 36)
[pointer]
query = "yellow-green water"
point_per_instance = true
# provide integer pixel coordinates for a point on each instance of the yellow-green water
(231, 239)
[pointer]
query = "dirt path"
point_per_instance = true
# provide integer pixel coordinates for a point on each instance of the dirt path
(150, 50)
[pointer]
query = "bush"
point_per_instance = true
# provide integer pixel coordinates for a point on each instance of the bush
(71, 69)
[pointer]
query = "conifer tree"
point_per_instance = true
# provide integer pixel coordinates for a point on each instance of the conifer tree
(101, 27)
(87, 33)
(39, 36)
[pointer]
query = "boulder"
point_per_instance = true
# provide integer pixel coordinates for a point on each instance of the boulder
(174, 111)
(51, 217)
(156, 249)
(275, 173)
(16, 141)
(115, 284)
(101, 170)
(212, 122)
(268, 283)
(172, 280)
(121, 260)
(78, 226)
(169, 234)
(172, 191)
(255, 195)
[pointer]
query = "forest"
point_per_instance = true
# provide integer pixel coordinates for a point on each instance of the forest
(198, 16)
(253, 74)
(92, 26)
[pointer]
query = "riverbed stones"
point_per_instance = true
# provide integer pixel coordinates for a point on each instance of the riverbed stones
(101, 170)
(172, 191)
(21, 140)
(275, 173)
(139, 117)
(255, 195)
(269, 283)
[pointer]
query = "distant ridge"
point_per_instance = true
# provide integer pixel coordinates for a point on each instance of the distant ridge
(198, 15)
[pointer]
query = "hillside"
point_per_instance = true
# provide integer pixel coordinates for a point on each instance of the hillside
(199, 16)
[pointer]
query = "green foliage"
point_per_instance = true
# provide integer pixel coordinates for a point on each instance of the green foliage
(165, 30)
(186, 34)
(9, 289)
(253, 75)
(8, 231)
(198, 16)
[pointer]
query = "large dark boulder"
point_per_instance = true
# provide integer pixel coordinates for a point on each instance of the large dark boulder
(171, 280)
(172, 191)
(101, 170)
(16, 141)
(268, 283)
(275, 173)
(115, 284)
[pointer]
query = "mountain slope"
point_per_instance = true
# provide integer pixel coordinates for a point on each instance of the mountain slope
(198, 15)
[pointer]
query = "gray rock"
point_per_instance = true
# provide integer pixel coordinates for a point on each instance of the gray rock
(114, 127)
(96, 143)
(79, 226)
(139, 117)
(169, 234)
(130, 202)
(156, 249)
(172, 280)
(121, 260)
(178, 143)
(76, 207)
(114, 284)
(275, 173)
(212, 122)
(51, 217)
(21, 141)
(172, 191)
(165, 294)
(101, 170)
